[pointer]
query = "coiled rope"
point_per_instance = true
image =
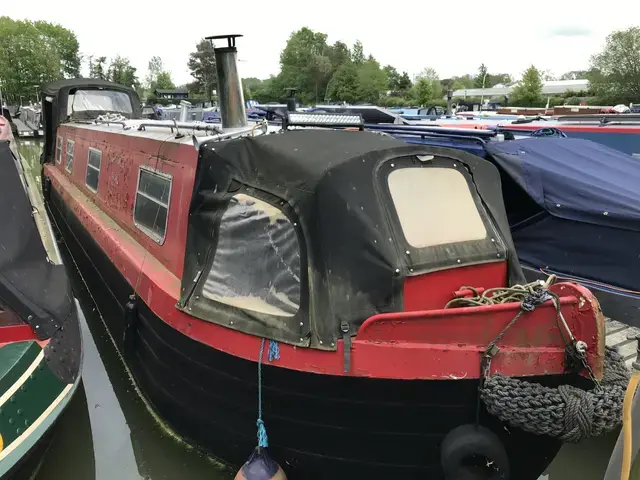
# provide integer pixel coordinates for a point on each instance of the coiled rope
(568, 413)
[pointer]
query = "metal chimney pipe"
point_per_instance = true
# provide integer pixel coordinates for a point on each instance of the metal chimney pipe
(184, 111)
(230, 96)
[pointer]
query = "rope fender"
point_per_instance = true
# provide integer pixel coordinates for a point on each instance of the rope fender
(568, 413)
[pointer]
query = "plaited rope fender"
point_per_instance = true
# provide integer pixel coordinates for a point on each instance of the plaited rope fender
(568, 413)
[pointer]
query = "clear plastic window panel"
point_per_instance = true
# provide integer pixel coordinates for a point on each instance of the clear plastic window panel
(152, 203)
(256, 265)
(435, 206)
(100, 101)
(70, 148)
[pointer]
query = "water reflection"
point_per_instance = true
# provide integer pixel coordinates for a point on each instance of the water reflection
(108, 433)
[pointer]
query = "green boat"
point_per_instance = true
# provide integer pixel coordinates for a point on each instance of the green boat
(40, 340)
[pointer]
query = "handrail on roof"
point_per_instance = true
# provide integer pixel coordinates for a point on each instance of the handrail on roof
(602, 118)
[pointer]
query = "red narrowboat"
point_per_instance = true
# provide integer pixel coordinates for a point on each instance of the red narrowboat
(344, 251)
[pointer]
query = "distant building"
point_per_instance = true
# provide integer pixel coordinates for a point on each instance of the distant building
(171, 94)
(549, 88)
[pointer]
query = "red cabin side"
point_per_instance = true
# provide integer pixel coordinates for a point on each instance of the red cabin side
(122, 157)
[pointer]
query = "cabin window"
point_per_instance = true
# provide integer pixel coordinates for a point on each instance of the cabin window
(71, 145)
(59, 149)
(93, 168)
(152, 203)
(256, 265)
(435, 206)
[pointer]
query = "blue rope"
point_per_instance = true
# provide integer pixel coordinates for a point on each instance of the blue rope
(274, 354)
(274, 351)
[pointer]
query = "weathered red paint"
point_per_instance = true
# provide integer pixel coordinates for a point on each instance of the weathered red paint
(16, 333)
(122, 157)
(433, 290)
(419, 344)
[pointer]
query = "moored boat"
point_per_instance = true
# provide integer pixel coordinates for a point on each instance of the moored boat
(40, 342)
(338, 249)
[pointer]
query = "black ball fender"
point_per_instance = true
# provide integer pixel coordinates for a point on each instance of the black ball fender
(473, 452)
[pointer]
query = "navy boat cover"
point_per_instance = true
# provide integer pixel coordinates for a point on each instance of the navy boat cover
(587, 222)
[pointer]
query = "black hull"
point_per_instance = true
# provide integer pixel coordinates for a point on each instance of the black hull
(620, 306)
(319, 426)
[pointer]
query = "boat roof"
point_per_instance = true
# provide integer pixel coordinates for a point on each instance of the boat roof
(575, 179)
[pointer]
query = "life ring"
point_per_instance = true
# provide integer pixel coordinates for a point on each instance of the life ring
(475, 453)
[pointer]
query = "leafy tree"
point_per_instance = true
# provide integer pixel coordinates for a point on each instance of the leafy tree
(164, 81)
(357, 53)
(338, 54)
(528, 93)
(393, 78)
(574, 75)
(202, 64)
(34, 53)
(423, 90)
(98, 69)
(157, 76)
(65, 43)
(500, 78)
(404, 84)
(344, 85)
(615, 74)
(427, 75)
(372, 81)
(121, 71)
(481, 79)
(153, 70)
(305, 64)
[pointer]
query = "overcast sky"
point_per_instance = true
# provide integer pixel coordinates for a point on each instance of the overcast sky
(452, 37)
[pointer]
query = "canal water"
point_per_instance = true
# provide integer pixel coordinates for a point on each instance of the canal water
(108, 433)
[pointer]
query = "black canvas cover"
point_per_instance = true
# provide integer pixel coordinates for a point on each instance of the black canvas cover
(30, 284)
(330, 188)
(55, 96)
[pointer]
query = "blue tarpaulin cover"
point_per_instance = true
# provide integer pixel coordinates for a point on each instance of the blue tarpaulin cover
(588, 224)
(575, 179)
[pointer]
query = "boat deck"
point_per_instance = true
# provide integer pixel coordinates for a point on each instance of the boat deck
(618, 335)
(23, 130)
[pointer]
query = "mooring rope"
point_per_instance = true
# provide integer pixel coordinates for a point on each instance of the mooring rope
(274, 354)
(566, 412)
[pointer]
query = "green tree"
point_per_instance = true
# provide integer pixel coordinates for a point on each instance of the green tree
(404, 84)
(393, 78)
(202, 65)
(98, 68)
(372, 81)
(65, 43)
(338, 54)
(157, 76)
(615, 74)
(481, 79)
(121, 71)
(357, 53)
(574, 75)
(344, 84)
(153, 70)
(528, 93)
(305, 64)
(34, 53)
(423, 90)
(164, 81)
(434, 90)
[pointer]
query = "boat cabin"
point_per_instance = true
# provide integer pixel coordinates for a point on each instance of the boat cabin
(292, 235)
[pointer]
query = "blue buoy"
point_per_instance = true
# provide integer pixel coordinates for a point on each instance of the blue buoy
(260, 466)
